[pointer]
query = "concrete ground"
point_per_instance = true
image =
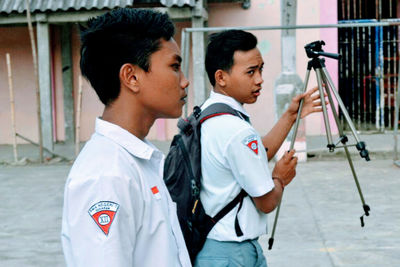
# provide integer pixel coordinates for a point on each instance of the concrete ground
(319, 221)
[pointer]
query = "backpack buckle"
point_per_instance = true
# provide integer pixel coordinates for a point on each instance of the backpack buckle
(196, 112)
(195, 188)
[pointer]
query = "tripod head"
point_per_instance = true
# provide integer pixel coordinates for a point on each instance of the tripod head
(314, 50)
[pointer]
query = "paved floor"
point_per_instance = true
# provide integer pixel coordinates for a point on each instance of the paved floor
(318, 226)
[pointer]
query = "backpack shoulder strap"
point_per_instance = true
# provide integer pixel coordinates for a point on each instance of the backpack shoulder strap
(218, 109)
(237, 200)
(230, 206)
(214, 110)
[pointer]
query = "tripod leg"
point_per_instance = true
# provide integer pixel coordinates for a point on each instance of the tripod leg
(344, 141)
(365, 206)
(330, 145)
(296, 125)
(295, 129)
(360, 145)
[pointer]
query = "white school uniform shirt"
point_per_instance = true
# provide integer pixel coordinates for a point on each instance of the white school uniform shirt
(233, 157)
(117, 210)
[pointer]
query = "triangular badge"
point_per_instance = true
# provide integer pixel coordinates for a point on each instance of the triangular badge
(103, 213)
(252, 143)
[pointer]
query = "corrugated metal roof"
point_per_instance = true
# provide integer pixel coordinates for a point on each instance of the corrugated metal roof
(10, 6)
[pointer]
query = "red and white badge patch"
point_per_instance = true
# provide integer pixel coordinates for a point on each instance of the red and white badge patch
(252, 143)
(103, 213)
(156, 192)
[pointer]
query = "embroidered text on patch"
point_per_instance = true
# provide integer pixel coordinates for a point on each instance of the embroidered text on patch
(103, 213)
(252, 143)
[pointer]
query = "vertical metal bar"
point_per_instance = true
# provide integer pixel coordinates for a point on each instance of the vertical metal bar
(370, 80)
(343, 10)
(363, 74)
(358, 77)
(381, 82)
(377, 81)
(380, 9)
(353, 89)
(389, 74)
(396, 115)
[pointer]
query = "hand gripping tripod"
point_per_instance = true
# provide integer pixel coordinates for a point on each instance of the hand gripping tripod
(314, 50)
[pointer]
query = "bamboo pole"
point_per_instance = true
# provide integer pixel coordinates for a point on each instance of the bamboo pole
(10, 85)
(78, 115)
(35, 68)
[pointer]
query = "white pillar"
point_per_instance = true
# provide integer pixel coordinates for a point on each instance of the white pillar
(289, 84)
(43, 41)
(198, 55)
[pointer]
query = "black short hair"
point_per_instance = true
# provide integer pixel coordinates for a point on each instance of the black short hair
(221, 48)
(118, 37)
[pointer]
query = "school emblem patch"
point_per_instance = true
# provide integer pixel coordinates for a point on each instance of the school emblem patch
(103, 213)
(252, 143)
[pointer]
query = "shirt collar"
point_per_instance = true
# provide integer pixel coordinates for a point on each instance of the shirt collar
(135, 146)
(233, 103)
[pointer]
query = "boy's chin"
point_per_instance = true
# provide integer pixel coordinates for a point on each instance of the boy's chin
(173, 115)
(250, 101)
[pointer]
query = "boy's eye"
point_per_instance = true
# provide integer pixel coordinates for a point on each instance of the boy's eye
(176, 66)
(250, 72)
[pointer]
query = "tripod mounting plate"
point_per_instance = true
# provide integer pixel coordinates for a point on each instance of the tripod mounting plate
(314, 50)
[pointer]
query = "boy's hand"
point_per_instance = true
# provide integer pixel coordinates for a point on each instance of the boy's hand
(285, 168)
(311, 104)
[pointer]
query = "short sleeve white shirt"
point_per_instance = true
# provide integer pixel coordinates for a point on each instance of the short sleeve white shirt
(117, 209)
(233, 157)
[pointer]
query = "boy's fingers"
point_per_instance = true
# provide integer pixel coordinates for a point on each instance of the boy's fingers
(289, 155)
(313, 90)
(298, 97)
(291, 152)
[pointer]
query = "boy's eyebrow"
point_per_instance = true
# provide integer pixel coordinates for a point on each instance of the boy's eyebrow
(178, 58)
(256, 66)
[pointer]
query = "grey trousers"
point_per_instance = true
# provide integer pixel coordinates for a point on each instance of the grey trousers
(231, 254)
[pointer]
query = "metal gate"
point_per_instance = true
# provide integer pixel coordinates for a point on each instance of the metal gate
(369, 67)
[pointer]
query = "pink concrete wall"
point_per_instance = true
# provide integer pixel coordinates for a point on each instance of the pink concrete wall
(16, 42)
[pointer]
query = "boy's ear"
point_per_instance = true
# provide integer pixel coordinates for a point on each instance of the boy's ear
(220, 78)
(129, 77)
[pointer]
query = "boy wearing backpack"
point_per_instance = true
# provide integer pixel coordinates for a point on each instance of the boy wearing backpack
(234, 157)
(117, 210)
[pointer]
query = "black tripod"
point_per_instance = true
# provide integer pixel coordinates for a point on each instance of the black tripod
(314, 51)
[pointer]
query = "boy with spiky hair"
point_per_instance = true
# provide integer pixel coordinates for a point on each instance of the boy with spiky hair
(117, 210)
